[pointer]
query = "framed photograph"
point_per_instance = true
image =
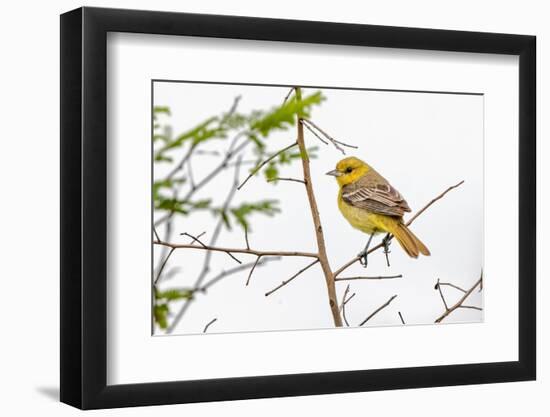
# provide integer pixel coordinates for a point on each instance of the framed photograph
(257, 208)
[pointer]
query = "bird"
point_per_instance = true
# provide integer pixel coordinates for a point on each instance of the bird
(372, 205)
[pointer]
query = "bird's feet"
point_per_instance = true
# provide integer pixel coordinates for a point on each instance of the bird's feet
(363, 257)
(386, 242)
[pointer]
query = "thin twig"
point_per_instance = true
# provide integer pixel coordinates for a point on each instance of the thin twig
(286, 179)
(246, 237)
(196, 239)
(387, 303)
(236, 269)
(206, 263)
(209, 324)
(438, 287)
(288, 95)
(345, 300)
(315, 133)
(159, 273)
(335, 142)
(155, 233)
(252, 270)
(237, 250)
(401, 317)
(452, 285)
(472, 307)
(259, 166)
(408, 223)
(459, 302)
(282, 284)
(361, 277)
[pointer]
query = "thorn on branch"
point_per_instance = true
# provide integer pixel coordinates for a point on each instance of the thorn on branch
(387, 303)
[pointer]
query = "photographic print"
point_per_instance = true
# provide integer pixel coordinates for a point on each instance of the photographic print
(281, 208)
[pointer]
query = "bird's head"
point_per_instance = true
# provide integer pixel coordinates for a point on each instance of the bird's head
(349, 170)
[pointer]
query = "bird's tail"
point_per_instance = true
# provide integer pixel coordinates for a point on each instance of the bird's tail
(408, 241)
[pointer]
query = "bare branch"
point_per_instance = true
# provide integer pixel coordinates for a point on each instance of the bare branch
(252, 270)
(286, 179)
(408, 223)
(438, 287)
(236, 269)
(335, 142)
(159, 273)
(387, 303)
(238, 250)
(315, 133)
(209, 324)
(377, 277)
(246, 237)
(459, 303)
(319, 236)
(448, 284)
(472, 307)
(288, 95)
(155, 233)
(291, 278)
(196, 239)
(345, 300)
(401, 317)
(206, 263)
(261, 164)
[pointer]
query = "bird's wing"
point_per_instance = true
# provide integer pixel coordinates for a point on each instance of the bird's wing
(375, 194)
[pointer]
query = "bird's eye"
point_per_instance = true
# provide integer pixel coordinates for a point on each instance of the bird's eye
(349, 169)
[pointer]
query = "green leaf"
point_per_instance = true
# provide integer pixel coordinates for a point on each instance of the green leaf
(282, 117)
(174, 294)
(160, 312)
(245, 210)
(271, 172)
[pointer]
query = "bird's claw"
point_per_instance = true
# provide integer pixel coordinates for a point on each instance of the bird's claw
(363, 258)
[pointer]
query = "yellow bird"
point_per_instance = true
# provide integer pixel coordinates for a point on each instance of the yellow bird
(369, 203)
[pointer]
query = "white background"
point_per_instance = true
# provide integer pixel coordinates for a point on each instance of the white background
(418, 141)
(30, 307)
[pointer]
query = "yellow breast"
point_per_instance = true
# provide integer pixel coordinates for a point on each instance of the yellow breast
(361, 219)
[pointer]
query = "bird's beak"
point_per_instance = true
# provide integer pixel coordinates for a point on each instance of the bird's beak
(334, 173)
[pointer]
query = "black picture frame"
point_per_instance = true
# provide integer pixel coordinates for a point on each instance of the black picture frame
(84, 207)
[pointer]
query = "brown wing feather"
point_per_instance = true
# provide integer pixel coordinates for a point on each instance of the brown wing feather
(374, 193)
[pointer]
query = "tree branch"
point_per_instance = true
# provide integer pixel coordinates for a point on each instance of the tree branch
(322, 252)
(237, 250)
(387, 303)
(408, 223)
(459, 303)
(286, 179)
(335, 142)
(375, 278)
(282, 284)
(211, 322)
(259, 166)
(236, 269)
(345, 300)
